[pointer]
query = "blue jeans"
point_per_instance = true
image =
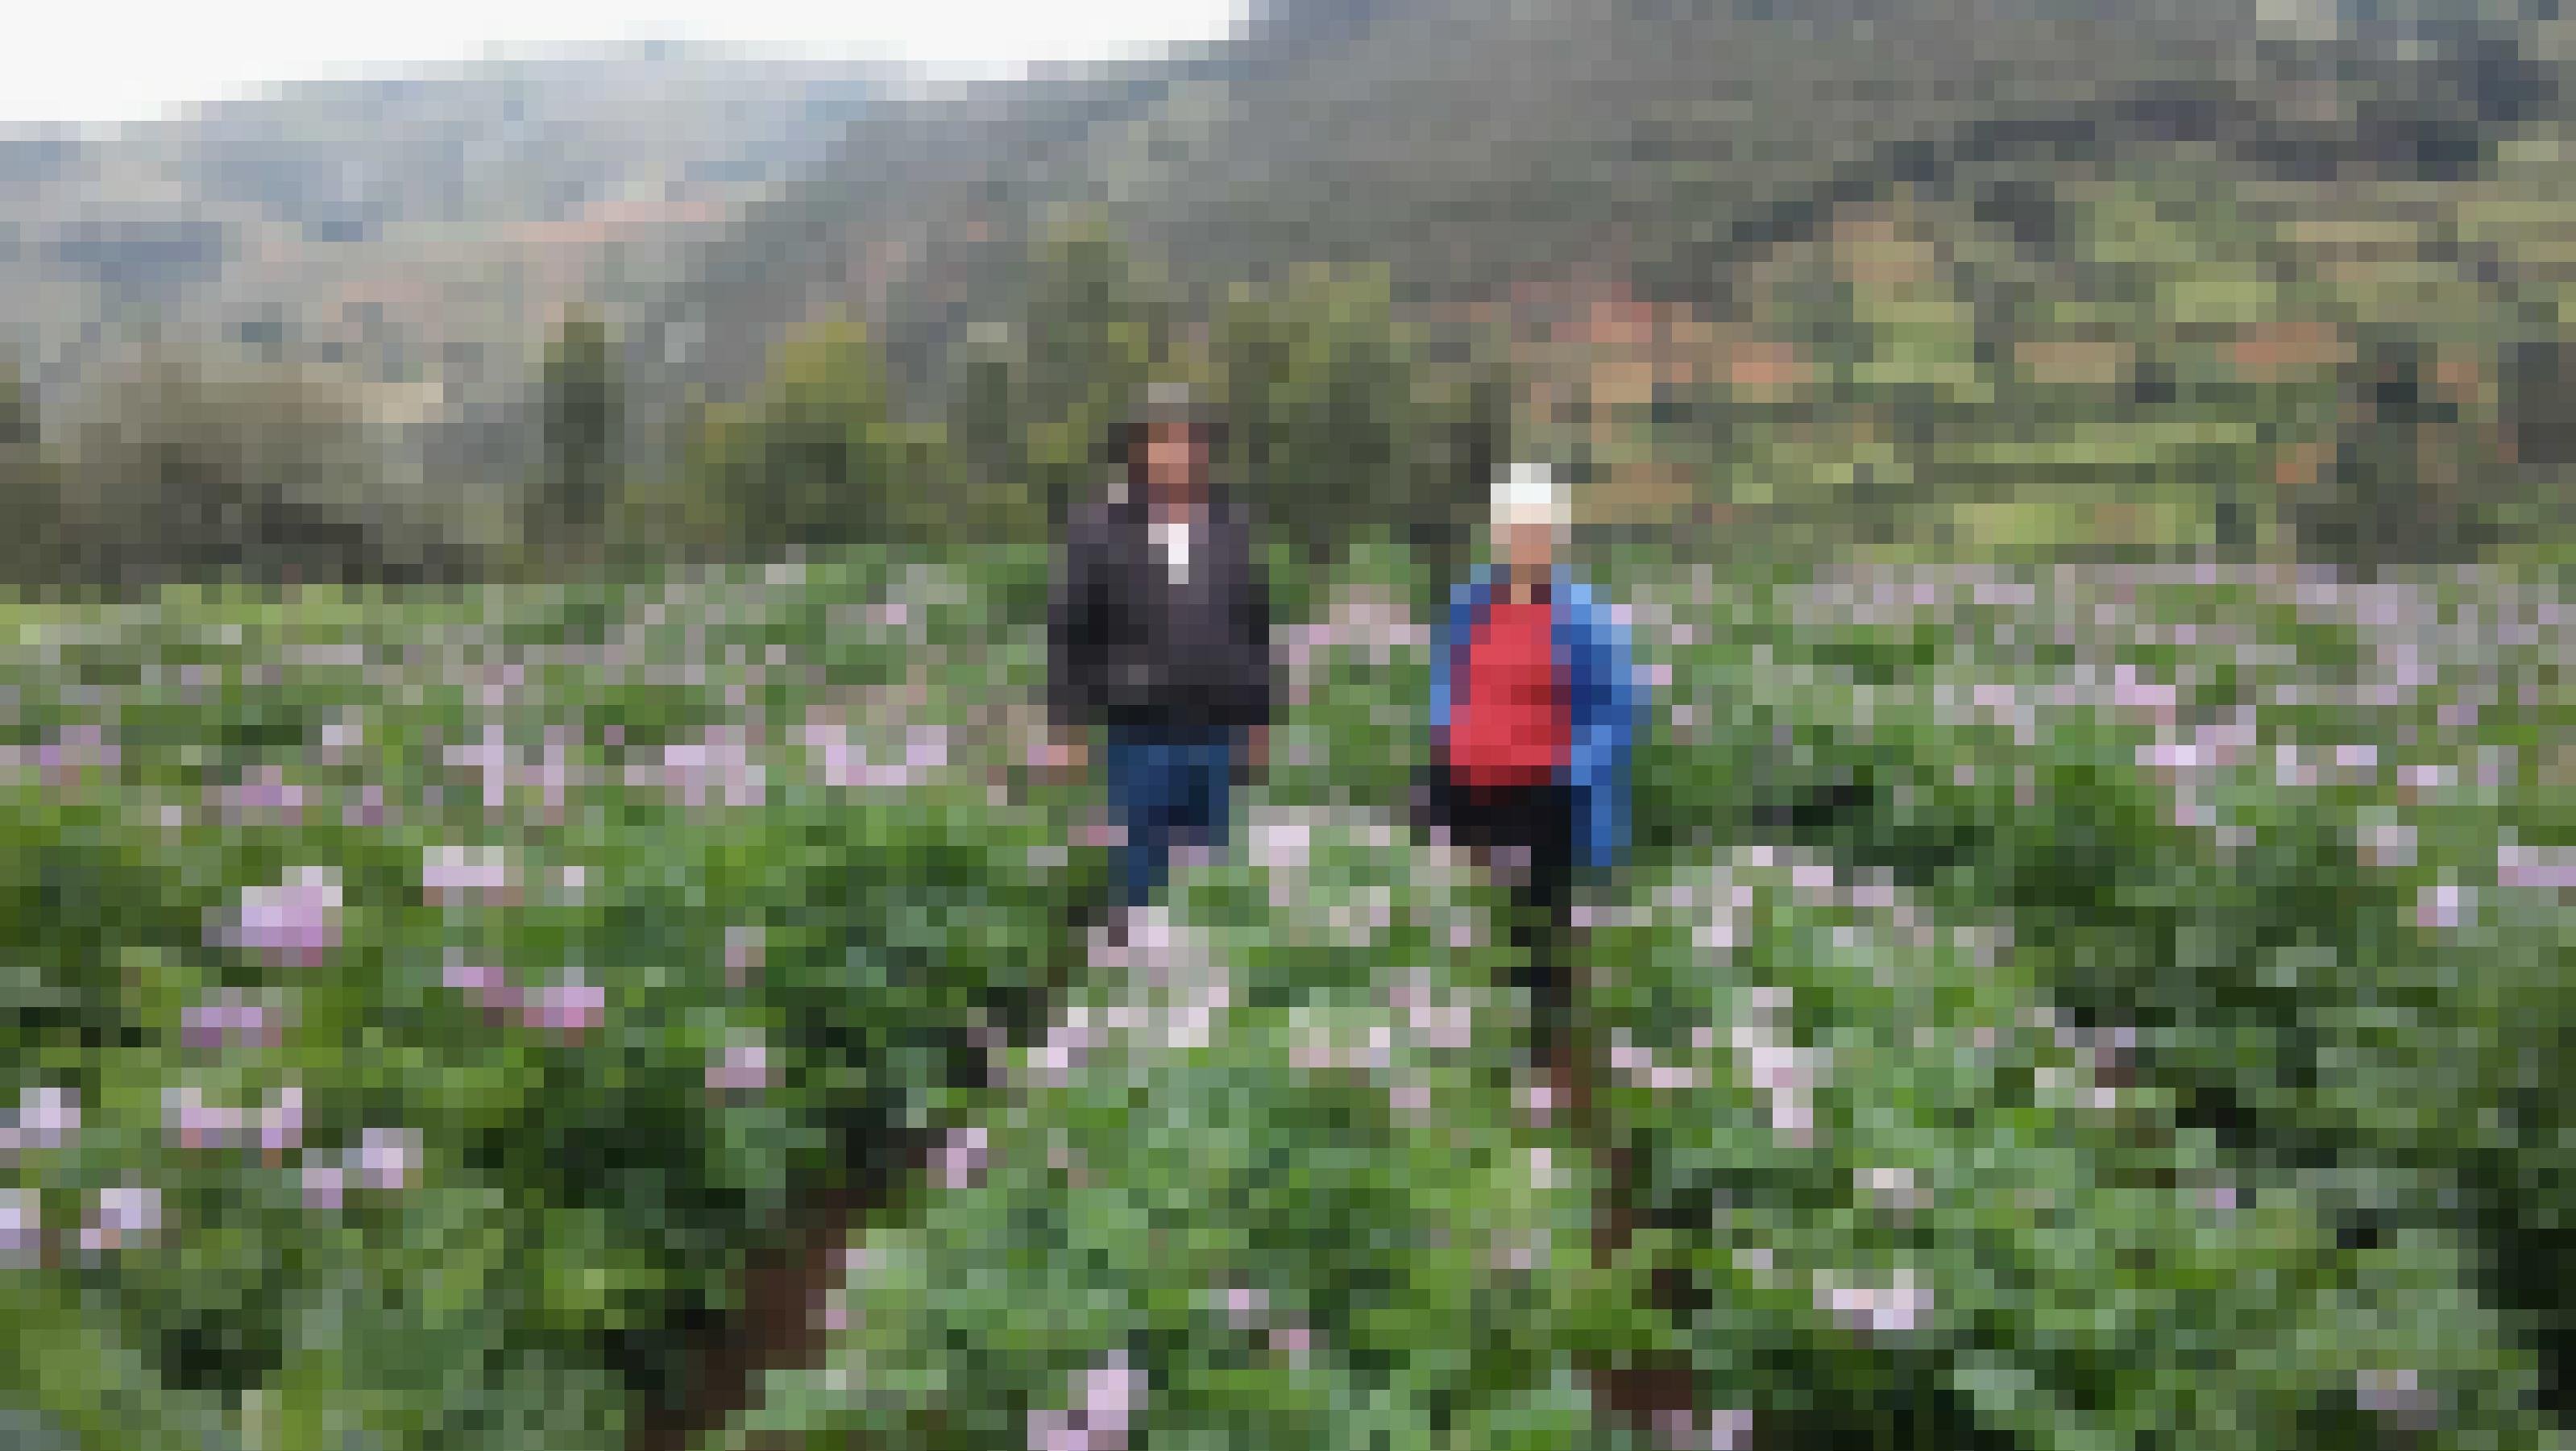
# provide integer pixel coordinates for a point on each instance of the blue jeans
(1158, 787)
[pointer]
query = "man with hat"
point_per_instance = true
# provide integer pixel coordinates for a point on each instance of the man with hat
(1159, 640)
(1532, 712)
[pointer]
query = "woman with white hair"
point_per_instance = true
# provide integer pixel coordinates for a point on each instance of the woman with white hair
(1533, 707)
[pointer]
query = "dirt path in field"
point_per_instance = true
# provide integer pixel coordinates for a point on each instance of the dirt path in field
(1646, 1396)
(783, 1290)
(778, 1322)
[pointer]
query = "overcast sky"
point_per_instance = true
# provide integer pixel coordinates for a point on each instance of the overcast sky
(93, 62)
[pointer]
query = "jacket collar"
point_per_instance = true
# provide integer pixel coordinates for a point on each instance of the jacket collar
(1136, 503)
(1545, 593)
(1557, 588)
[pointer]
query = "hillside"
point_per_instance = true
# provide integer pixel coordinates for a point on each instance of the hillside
(1465, 144)
(402, 231)
(1475, 148)
(1661, 200)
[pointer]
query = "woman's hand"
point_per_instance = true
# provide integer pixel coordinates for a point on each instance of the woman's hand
(1066, 756)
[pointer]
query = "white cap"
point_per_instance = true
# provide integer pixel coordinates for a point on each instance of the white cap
(1528, 494)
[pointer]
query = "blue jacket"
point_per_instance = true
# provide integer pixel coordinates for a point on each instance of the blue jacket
(1592, 657)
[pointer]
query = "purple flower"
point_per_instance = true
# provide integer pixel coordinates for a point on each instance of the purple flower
(281, 1124)
(1523, 1254)
(1758, 1263)
(227, 1018)
(488, 986)
(1640, 1067)
(2531, 868)
(743, 1068)
(2437, 907)
(1294, 1343)
(694, 770)
(470, 977)
(265, 795)
(745, 947)
(925, 749)
(1884, 1310)
(840, 765)
(83, 747)
(1716, 1431)
(22, 1229)
(570, 1007)
(454, 873)
(1793, 1120)
(1067, 1047)
(387, 1158)
(2398, 1394)
(1379, 1050)
(121, 1214)
(296, 922)
(1537, 1104)
(1410, 1098)
(1444, 1027)
(192, 1123)
(343, 734)
(324, 1185)
(1245, 1306)
(1895, 1188)
(1110, 1395)
(2389, 844)
(1282, 845)
(963, 1157)
(48, 1117)
(368, 810)
(2424, 777)
(488, 758)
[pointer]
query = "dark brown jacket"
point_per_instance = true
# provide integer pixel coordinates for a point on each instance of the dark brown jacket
(1129, 649)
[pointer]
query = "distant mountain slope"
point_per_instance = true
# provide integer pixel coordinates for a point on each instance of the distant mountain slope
(1471, 143)
(956, 174)
(1466, 142)
(409, 230)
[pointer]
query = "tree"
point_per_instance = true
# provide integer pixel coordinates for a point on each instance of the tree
(1325, 394)
(28, 491)
(815, 459)
(190, 472)
(18, 421)
(1469, 440)
(2398, 493)
(580, 420)
(988, 438)
(1095, 330)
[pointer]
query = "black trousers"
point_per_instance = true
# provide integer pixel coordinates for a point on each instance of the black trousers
(1527, 831)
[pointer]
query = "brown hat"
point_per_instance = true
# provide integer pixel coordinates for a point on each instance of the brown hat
(1166, 402)
(1174, 402)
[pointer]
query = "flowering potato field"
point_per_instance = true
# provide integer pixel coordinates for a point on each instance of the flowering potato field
(414, 1014)
(419, 1007)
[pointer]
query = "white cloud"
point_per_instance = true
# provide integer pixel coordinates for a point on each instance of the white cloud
(98, 61)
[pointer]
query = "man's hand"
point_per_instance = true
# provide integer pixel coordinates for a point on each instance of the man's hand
(1256, 747)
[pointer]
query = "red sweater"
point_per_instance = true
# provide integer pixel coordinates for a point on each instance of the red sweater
(1512, 725)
